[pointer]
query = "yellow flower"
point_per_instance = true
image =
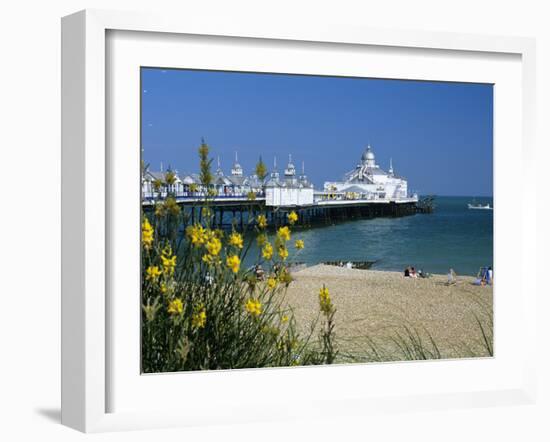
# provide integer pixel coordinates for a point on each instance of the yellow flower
(147, 234)
(172, 206)
(251, 196)
(283, 252)
(261, 239)
(254, 307)
(153, 273)
(299, 244)
(233, 262)
(325, 302)
(209, 259)
(271, 283)
(236, 240)
(214, 246)
(198, 320)
(262, 221)
(285, 277)
(160, 209)
(175, 307)
(197, 234)
(168, 264)
(284, 319)
(292, 217)
(163, 287)
(284, 233)
(193, 187)
(267, 251)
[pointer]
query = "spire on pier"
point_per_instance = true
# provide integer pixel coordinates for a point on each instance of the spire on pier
(237, 169)
(290, 170)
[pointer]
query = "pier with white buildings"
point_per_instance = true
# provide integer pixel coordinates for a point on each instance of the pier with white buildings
(366, 191)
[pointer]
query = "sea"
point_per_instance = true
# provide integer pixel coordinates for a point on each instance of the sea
(453, 236)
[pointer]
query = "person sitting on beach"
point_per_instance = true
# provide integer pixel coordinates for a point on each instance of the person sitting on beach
(259, 272)
(407, 272)
(451, 277)
(413, 273)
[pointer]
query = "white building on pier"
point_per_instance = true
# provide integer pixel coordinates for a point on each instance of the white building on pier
(369, 181)
(290, 190)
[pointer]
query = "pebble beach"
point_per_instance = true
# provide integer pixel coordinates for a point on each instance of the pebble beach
(378, 311)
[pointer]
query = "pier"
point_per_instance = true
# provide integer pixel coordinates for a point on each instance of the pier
(238, 211)
(235, 200)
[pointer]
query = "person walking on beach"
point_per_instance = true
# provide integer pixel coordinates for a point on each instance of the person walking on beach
(451, 277)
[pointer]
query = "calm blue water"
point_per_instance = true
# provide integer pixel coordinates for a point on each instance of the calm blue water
(452, 236)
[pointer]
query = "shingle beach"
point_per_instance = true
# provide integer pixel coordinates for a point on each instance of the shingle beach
(382, 308)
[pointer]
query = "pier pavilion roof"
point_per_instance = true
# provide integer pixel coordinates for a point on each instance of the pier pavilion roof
(222, 180)
(254, 181)
(161, 176)
(238, 180)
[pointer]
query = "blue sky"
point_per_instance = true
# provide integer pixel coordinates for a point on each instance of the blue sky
(440, 135)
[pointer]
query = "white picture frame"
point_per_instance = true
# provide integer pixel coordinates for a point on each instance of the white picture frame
(86, 316)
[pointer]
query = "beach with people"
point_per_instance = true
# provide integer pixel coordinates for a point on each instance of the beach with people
(383, 315)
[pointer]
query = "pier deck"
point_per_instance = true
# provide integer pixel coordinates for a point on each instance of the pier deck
(237, 211)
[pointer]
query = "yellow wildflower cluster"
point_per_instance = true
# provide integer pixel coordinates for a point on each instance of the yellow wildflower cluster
(198, 320)
(285, 277)
(168, 261)
(283, 252)
(299, 244)
(214, 246)
(271, 283)
(210, 260)
(284, 319)
(236, 240)
(267, 251)
(147, 234)
(261, 239)
(254, 307)
(233, 262)
(325, 302)
(197, 234)
(152, 273)
(169, 206)
(292, 217)
(262, 221)
(175, 307)
(284, 233)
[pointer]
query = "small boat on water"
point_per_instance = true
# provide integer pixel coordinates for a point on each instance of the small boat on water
(475, 206)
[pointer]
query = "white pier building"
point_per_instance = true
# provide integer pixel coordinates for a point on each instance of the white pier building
(291, 190)
(368, 181)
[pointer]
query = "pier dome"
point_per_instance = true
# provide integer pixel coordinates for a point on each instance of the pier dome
(368, 157)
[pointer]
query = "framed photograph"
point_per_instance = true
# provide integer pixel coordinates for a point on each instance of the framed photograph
(268, 221)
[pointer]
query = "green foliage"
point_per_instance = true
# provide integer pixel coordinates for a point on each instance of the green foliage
(205, 165)
(202, 311)
(261, 169)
